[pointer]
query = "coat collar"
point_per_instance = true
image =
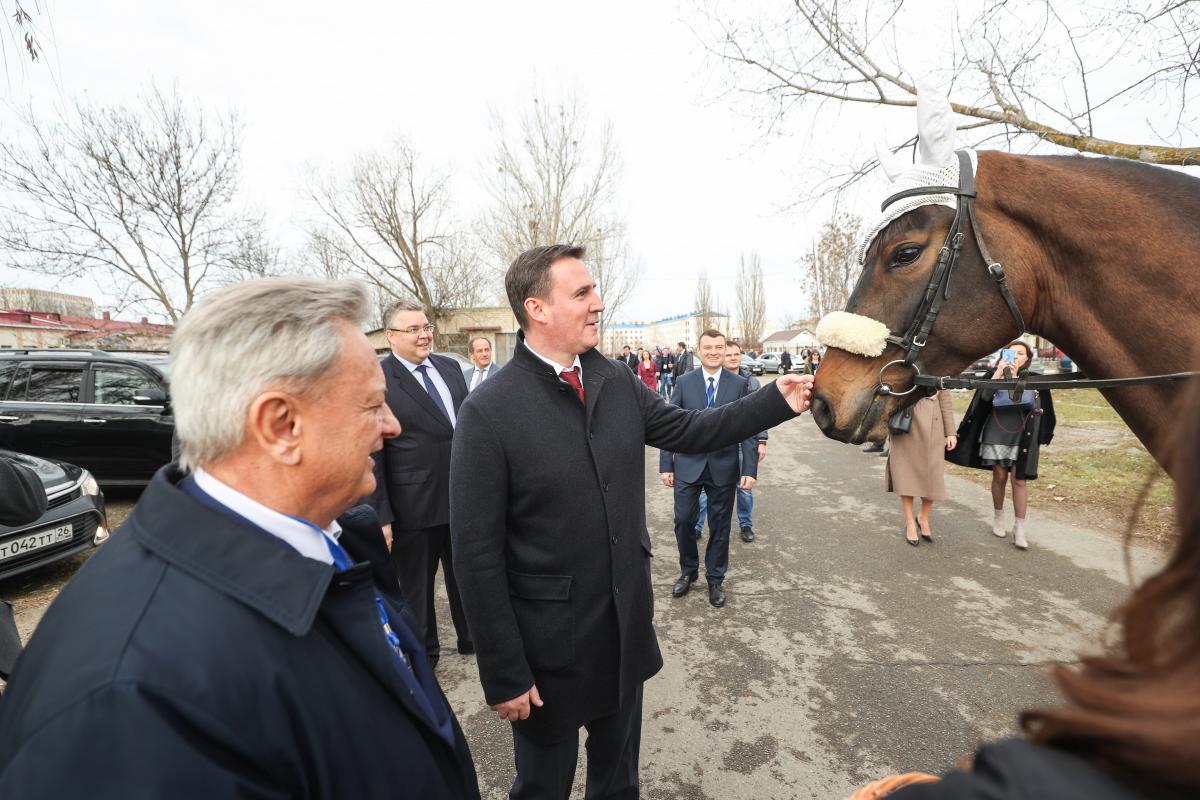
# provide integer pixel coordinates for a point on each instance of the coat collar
(405, 379)
(596, 370)
(228, 555)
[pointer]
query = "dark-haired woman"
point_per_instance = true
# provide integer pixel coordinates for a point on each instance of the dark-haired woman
(1005, 434)
(647, 370)
(1127, 729)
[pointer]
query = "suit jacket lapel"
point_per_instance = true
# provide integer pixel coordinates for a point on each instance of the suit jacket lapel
(727, 388)
(450, 374)
(593, 382)
(408, 382)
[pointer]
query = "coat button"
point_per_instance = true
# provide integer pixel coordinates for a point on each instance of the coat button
(606, 487)
(616, 590)
(614, 539)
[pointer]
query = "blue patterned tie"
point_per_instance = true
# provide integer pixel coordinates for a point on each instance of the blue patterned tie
(433, 392)
(711, 392)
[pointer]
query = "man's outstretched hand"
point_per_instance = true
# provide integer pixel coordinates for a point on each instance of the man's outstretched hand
(797, 390)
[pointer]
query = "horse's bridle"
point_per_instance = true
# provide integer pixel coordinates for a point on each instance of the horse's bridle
(937, 292)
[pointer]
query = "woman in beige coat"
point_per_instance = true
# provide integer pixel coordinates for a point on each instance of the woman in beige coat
(916, 465)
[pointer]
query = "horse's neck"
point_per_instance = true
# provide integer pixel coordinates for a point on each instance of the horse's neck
(1113, 278)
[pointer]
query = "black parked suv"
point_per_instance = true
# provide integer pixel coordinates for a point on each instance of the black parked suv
(74, 520)
(107, 412)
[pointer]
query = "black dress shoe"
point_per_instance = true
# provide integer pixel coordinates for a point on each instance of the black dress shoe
(682, 585)
(466, 647)
(913, 542)
(716, 595)
(873, 447)
(926, 536)
(747, 533)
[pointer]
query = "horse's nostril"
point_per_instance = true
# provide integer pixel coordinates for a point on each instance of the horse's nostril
(821, 413)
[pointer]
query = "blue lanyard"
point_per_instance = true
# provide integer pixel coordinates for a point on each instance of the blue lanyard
(341, 560)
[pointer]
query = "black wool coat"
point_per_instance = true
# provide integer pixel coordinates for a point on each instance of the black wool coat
(1039, 430)
(194, 656)
(1017, 770)
(548, 521)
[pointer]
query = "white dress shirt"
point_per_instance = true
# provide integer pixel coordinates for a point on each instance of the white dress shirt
(438, 383)
(559, 369)
(716, 376)
(302, 536)
(479, 375)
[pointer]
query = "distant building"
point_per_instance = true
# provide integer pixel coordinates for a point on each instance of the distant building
(42, 301)
(793, 339)
(666, 332)
(51, 330)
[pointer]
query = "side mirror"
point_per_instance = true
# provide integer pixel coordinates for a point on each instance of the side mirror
(150, 396)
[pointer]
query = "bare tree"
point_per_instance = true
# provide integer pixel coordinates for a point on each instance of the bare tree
(829, 271)
(553, 181)
(21, 28)
(705, 303)
(1018, 68)
(389, 222)
(140, 200)
(751, 300)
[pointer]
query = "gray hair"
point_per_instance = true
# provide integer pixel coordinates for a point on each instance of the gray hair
(253, 336)
(403, 304)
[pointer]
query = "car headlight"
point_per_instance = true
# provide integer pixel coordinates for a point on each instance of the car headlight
(89, 485)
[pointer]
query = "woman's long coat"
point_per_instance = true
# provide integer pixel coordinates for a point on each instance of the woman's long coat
(1039, 430)
(914, 465)
(548, 523)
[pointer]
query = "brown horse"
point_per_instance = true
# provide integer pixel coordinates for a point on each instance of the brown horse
(1102, 256)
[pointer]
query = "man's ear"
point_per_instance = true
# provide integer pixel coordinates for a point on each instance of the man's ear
(535, 309)
(273, 420)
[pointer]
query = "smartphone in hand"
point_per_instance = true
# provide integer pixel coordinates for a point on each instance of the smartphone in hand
(1008, 355)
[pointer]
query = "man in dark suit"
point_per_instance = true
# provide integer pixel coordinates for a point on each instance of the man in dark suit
(229, 640)
(684, 362)
(482, 366)
(716, 473)
(548, 516)
(785, 361)
(412, 472)
(629, 358)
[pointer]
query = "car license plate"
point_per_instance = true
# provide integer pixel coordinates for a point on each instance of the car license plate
(34, 541)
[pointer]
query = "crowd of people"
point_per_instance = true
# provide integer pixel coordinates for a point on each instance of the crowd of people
(262, 626)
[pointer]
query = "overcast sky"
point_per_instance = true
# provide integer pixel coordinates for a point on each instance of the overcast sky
(314, 83)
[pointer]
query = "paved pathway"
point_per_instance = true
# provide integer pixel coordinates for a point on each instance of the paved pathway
(842, 654)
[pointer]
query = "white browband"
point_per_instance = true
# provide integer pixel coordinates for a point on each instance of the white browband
(853, 333)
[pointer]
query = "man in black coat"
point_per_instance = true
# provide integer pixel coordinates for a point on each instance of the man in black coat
(229, 640)
(717, 473)
(629, 358)
(684, 362)
(785, 361)
(548, 517)
(412, 472)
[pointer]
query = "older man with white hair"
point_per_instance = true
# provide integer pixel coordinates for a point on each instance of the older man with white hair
(230, 640)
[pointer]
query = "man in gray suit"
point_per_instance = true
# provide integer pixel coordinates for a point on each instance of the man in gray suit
(480, 350)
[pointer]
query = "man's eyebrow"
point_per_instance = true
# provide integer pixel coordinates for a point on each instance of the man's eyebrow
(586, 287)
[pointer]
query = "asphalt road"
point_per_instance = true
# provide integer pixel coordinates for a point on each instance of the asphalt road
(842, 653)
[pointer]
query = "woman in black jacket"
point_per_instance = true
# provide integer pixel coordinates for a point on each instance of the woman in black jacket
(1005, 434)
(1128, 727)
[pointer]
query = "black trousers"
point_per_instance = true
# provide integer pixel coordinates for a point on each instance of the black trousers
(720, 515)
(546, 771)
(417, 554)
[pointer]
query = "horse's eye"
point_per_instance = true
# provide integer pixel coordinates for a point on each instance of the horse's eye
(904, 256)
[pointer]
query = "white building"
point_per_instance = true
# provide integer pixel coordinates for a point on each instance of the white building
(665, 332)
(793, 339)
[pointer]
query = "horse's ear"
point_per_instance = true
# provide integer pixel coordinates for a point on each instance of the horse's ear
(935, 126)
(892, 167)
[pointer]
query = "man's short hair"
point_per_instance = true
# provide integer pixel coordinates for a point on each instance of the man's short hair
(529, 276)
(712, 333)
(732, 343)
(681, 344)
(403, 304)
(240, 341)
(474, 339)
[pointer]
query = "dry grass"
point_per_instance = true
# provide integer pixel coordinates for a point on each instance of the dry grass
(1094, 469)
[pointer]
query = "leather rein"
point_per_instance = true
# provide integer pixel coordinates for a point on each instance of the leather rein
(937, 292)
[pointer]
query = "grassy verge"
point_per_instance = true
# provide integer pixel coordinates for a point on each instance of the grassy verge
(1094, 469)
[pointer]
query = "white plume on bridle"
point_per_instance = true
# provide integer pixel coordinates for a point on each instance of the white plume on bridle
(936, 166)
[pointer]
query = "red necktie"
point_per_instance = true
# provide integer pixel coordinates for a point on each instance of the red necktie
(571, 376)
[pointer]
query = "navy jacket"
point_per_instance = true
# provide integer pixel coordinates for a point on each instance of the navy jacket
(690, 393)
(412, 471)
(549, 526)
(197, 657)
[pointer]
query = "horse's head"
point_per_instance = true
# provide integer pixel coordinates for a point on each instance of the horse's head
(899, 256)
